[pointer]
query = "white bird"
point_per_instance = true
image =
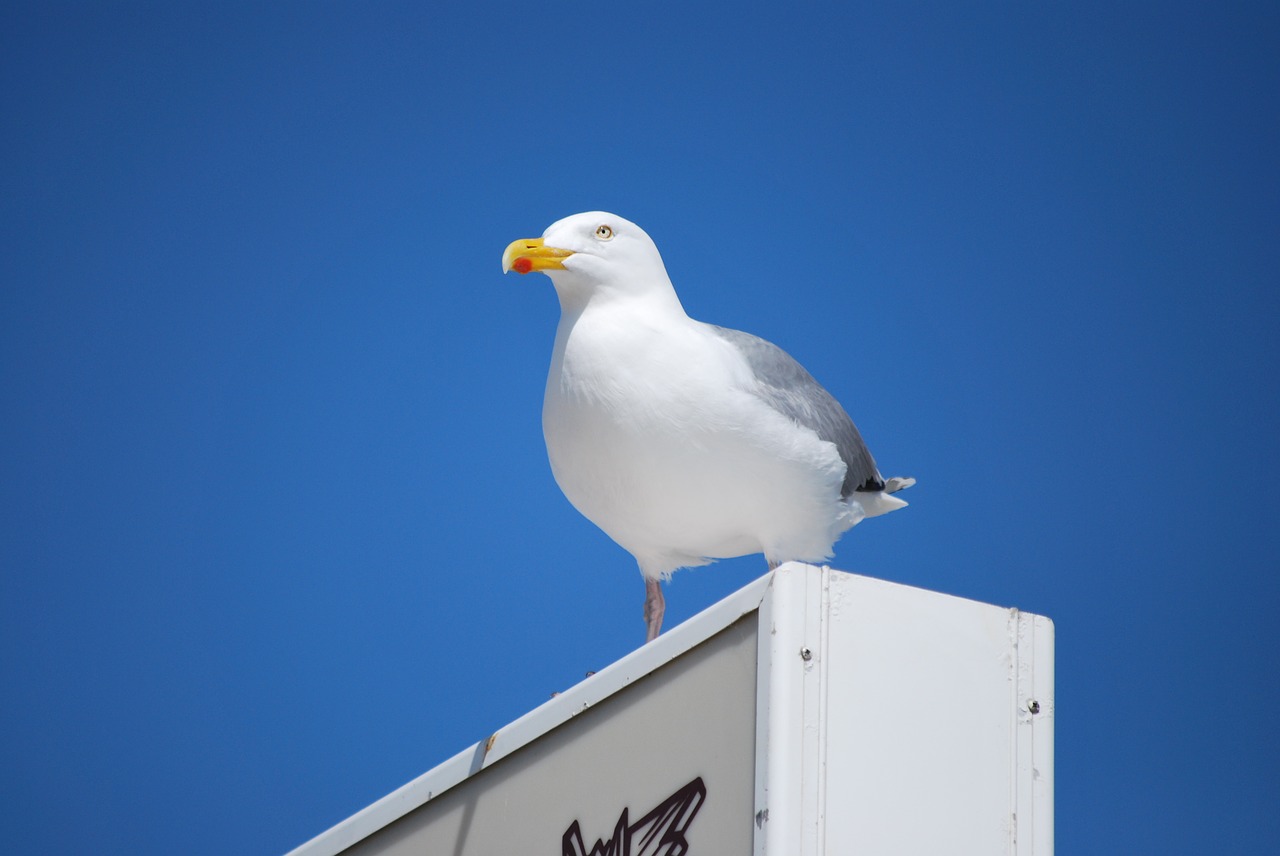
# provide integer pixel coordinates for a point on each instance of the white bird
(683, 441)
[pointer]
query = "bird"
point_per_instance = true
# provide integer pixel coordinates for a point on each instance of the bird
(683, 441)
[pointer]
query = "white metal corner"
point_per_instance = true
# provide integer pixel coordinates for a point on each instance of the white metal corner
(1034, 706)
(790, 725)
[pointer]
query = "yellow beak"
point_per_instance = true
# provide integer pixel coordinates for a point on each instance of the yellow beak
(530, 254)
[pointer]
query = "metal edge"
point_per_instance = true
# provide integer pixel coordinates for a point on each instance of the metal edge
(764, 693)
(1042, 748)
(1033, 743)
(786, 704)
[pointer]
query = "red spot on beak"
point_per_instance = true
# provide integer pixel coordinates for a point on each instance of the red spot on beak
(522, 265)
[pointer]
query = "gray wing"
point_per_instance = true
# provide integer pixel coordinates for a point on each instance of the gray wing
(785, 385)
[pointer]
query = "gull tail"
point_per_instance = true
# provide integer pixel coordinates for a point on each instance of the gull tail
(876, 502)
(898, 483)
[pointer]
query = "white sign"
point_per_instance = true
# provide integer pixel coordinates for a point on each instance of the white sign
(813, 712)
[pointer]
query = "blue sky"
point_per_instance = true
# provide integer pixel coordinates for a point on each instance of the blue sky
(278, 529)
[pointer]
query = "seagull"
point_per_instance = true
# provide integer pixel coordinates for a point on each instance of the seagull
(683, 441)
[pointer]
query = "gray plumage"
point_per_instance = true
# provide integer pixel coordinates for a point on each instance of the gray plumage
(788, 388)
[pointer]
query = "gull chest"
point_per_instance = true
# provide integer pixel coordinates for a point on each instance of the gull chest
(627, 418)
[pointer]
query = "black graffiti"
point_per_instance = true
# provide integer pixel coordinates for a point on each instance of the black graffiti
(658, 833)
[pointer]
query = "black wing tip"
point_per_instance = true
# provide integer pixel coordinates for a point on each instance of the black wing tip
(871, 485)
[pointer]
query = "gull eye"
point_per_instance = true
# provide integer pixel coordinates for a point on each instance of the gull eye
(604, 233)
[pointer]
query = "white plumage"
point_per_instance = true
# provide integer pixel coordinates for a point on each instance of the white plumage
(683, 441)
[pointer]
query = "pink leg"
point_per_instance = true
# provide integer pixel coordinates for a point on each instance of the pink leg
(654, 607)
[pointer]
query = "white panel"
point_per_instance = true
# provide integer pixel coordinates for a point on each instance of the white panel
(920, 722)
(556, 714)
(605, 776)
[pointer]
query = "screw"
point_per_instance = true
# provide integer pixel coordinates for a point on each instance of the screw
(1033, 706)
(806, 654)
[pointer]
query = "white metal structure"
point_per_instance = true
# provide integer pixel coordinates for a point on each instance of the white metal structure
(812, 713)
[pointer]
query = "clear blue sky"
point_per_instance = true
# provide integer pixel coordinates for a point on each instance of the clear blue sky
(278, 529)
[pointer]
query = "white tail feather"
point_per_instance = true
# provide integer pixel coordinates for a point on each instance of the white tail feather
(898, 483)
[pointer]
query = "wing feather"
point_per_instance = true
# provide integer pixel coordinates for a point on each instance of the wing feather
(785, 386)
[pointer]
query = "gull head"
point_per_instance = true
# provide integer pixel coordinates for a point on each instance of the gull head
(590, 254)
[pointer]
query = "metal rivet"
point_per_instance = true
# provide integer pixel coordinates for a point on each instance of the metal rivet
(806, 654)
(1033, 706)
